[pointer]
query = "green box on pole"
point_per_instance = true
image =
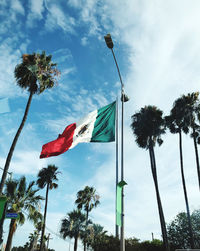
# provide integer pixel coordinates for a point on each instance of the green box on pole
(120, 185)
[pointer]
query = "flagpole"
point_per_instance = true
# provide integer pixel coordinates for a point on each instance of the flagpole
(117, 169)
(124, 98)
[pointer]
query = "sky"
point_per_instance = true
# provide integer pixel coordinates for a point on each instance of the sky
(157, 45)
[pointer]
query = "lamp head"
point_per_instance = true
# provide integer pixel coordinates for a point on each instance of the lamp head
(124, 98)
(109, 41)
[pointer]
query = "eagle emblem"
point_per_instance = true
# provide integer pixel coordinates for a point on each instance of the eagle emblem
(82, 131)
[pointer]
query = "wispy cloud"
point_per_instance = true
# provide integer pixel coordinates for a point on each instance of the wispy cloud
(36, 9)
(56, 18)
(17, 6)
(9, 57)
(88, 14)
(84, 41)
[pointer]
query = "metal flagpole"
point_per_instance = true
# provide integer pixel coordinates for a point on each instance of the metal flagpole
(117, 168)
(124, 98)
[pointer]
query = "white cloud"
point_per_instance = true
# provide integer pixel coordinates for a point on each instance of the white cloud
(3, 2)
(36, 8)
(17, 6)
(26, 163)
(84, 41)
(88, 14)
(9, 58)
(68, 71)
(57, 18)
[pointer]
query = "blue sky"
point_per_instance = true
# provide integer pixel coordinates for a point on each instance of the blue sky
(157, 44)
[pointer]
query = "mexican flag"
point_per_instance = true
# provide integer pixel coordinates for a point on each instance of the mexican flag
(97, 126)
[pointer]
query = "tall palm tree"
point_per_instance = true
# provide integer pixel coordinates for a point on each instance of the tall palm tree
(46, 177)
(21, 199)
(36, 73)
(87, 199)
(180, 120)
(148, 126)
(191, 109)
(72, 226)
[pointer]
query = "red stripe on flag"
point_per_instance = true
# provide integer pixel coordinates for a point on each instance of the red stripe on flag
(61, 144)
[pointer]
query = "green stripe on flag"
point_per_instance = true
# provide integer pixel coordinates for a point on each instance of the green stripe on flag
(104, 126)
(120, 185)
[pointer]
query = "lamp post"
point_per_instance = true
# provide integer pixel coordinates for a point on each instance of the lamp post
(124, 98)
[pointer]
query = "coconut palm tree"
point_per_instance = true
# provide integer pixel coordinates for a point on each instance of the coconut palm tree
(72, 226)
(87, 199)
(148, 126)
(36, 73)
(22, 199)
(179, 121)
(46, 177)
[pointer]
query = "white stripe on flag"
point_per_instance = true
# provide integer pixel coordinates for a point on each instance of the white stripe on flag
(84, 129)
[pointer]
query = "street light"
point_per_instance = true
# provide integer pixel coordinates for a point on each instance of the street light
(110, 45)
(124, 98)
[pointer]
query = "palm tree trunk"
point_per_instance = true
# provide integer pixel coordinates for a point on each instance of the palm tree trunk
(160, 210)
(2, 221)
(12, 228)
(75, 243)
(9, 156)
(7, 164)
(185, 191)
(44, 222)
(84, 242)
(196, 154)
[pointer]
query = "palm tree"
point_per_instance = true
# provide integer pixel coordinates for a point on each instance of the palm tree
(148, 126)
(46, 177)
(191, 109)
(33, 240)
(22, 199)
(33, 237)
(35, 74)
(97, 236)
(72, 226)
(179, 120)
(87, 199)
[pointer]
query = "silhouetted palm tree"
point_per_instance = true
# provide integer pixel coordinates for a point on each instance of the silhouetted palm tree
(72, 226)
(148, 125)
(46, 177)
(179, 121)
(191, 105)
(87, 199)
(21, 199)
(35, 74)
